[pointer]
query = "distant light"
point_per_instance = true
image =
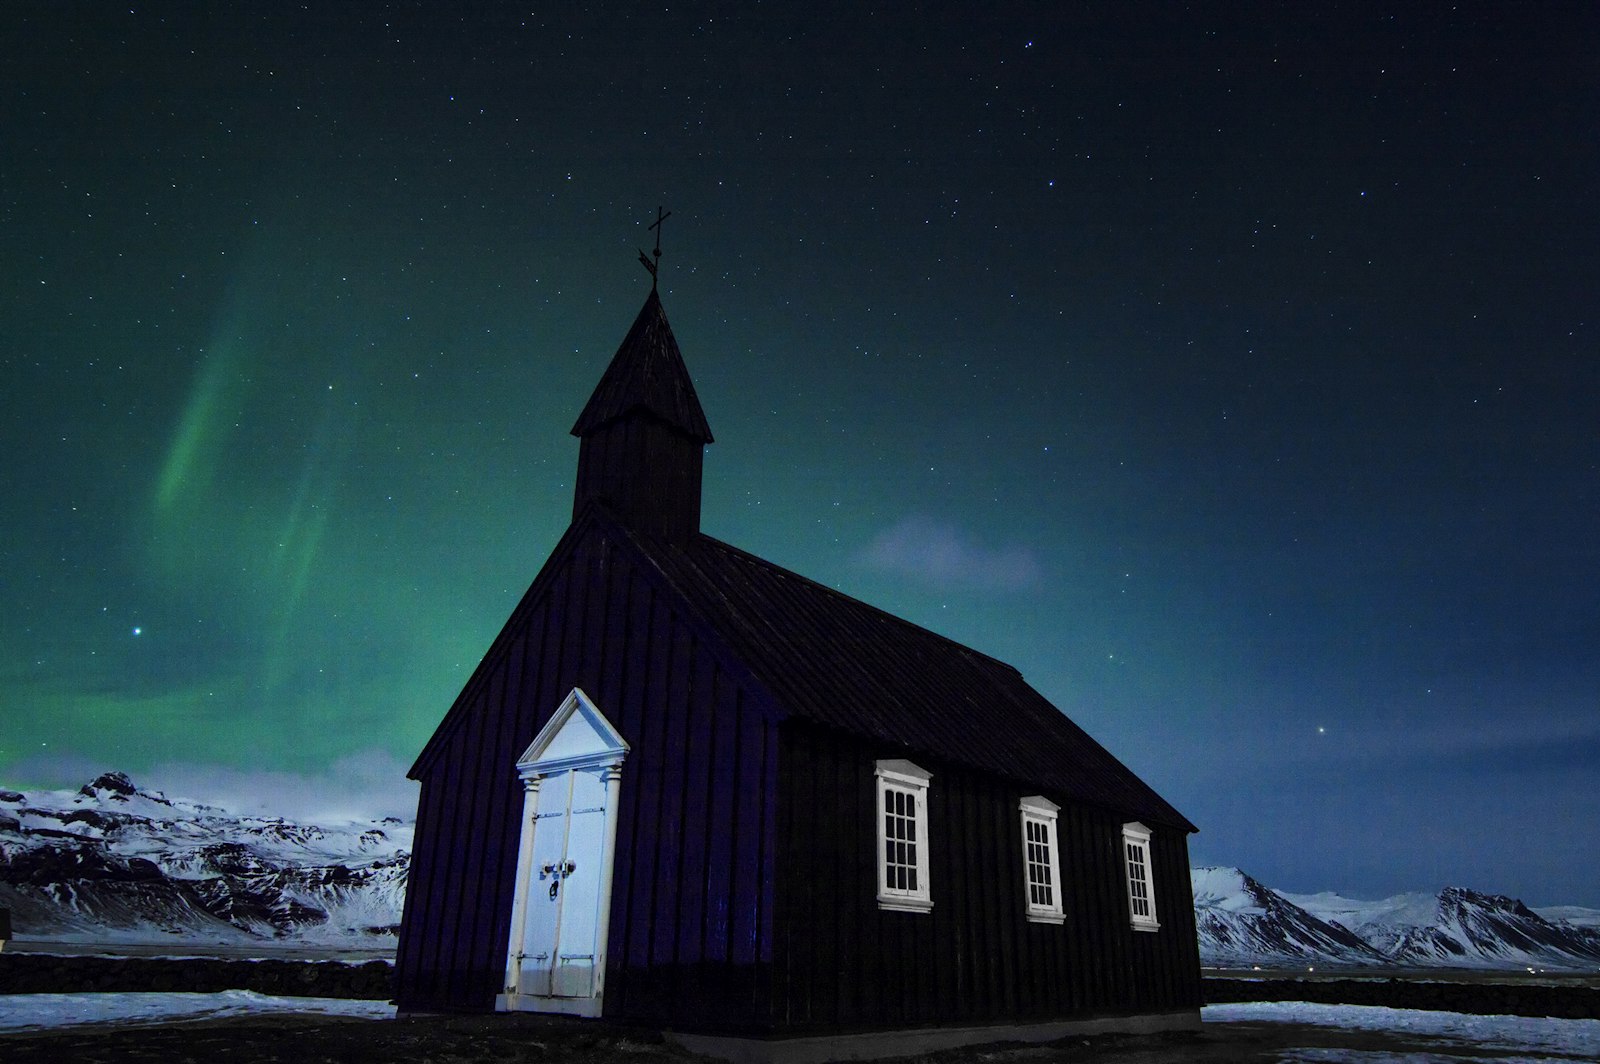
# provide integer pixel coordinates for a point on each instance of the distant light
(138, 631)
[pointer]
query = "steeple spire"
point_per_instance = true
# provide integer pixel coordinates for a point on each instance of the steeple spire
(643, 433)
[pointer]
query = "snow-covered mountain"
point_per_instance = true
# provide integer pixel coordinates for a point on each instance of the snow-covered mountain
(1243, 923)
(1459, 927)
(115, 863)
(1575, 915)
(112, 862)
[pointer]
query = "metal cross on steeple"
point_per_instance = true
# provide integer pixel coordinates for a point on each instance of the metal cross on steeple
(661, 216)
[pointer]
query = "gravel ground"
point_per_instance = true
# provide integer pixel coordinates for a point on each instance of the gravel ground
(473, 1039)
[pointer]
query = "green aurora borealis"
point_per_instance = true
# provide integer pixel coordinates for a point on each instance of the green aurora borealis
(1232, 376)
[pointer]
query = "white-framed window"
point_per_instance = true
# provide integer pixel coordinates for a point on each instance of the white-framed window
(903, 836)
(1041, 862)
(1141, 880)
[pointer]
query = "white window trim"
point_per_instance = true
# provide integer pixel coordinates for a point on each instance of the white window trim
(903, 776)
(1137, 835)
(1037, 809)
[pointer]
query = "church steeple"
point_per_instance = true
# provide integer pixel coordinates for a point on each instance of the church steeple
(643, 434)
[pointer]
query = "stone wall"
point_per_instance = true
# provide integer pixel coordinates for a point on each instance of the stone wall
(37, 973)
(1483, 999)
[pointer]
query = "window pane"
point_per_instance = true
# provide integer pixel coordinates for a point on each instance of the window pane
(1139, 880)
(900, 839)
(1039, 837)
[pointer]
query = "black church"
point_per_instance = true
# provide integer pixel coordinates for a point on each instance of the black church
(690, 789)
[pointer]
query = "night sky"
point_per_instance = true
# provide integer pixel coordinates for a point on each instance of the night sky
(1233, 373)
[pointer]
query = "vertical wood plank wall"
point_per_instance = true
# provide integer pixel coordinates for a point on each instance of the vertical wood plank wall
(645, 471)
(691, 919)
(842, 962)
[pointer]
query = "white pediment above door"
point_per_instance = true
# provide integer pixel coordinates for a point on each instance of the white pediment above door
(578, 734)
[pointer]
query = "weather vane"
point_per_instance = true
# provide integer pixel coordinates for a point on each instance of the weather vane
(661, 216)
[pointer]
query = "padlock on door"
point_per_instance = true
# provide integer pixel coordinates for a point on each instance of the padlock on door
(557, 872)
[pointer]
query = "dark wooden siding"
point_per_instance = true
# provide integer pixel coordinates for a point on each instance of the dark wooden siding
(691, 913)
(843, 963)
(647, 472)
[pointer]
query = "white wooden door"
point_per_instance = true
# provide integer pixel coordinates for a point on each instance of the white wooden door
(559, 944)
(580, 888)
(560, 910)
(543, 920)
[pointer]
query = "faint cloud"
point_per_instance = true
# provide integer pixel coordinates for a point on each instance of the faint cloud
(52, 771)
(938, 552)
(365, 785)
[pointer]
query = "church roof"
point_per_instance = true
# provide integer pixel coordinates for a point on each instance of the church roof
(647, 374)
(835, 660)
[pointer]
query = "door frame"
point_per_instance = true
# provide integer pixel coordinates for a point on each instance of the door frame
(577, 738)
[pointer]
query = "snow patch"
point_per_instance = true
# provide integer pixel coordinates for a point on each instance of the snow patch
(1554, 1039)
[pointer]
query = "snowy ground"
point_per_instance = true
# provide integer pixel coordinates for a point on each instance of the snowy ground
(1447, 1035)
(35, 1012)
(1277, 1032)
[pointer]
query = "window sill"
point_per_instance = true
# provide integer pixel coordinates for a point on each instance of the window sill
(905, 905)
(1141, 926)
(1047, 918)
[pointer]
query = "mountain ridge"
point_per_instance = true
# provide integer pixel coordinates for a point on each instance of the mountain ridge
(116, 863)
(1242, 923)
